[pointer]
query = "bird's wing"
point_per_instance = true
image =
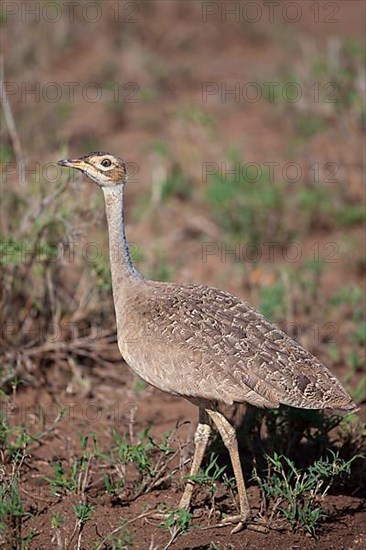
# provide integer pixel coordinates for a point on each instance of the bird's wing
(226, 350)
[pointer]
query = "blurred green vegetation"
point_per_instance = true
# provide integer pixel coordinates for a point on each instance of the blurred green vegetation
(258, 210)
(248, 206)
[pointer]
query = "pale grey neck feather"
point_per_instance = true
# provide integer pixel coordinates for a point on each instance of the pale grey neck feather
(120, 258)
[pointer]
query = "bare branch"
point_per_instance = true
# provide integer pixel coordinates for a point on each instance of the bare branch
(9, 118)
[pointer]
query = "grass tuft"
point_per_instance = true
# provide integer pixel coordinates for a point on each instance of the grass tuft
(297, 495)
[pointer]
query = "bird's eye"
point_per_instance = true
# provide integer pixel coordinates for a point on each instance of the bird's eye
(106, 163)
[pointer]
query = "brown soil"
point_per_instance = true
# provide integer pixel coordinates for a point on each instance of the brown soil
(108, 406)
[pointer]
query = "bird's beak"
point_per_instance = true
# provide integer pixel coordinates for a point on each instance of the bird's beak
(72, 163)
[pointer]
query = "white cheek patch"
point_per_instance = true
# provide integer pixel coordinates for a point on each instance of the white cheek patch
(96, 176)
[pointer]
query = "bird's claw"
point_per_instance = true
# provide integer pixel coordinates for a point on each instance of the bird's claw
(159, 515)
(242, 522)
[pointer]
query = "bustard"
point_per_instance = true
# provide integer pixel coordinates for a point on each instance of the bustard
(202, 343)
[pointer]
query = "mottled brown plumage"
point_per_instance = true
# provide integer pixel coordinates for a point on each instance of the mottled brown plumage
(210, 345)
(202, 343)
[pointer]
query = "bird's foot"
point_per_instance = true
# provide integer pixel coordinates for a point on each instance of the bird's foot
(240, 521)
(162, 515)
(159, 515)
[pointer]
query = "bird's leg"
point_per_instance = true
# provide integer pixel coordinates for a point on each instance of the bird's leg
(201, 438)
(228, 435)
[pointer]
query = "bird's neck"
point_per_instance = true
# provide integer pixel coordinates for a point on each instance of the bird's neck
(122, 268)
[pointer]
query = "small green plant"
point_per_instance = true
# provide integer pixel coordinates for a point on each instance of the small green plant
(177, 522)
(149, 458)
(75, 479)
(56, 521)
(120, 542)
(297, 495)
(113, 484)
(209, 477)
(63, 481)
(13, 440)
(120, 538)
(178, 518)
(12, 511)
(83, 512)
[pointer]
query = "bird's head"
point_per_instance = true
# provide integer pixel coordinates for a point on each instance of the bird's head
(103, 168)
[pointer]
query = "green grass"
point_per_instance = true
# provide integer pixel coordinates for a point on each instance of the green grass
(178, 521)
(348, 295)
(56, 521)
(14, 448)
(358, 393)
(13, 513)
(62, 480)
(209, 477)
(296, 494)
(315, 204)
(178, 518)
(359, 335)
(6, 153)
(351, 215)
(160, 270)
(13, 439)
(102, 274)
(83, 512)
(177, 184)
(199, 117)
(148, 457)
(245, 209)
(122, 541)
(73, 478)
(307, 126)
(272, 301)
(37, 245)
(11, 504)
